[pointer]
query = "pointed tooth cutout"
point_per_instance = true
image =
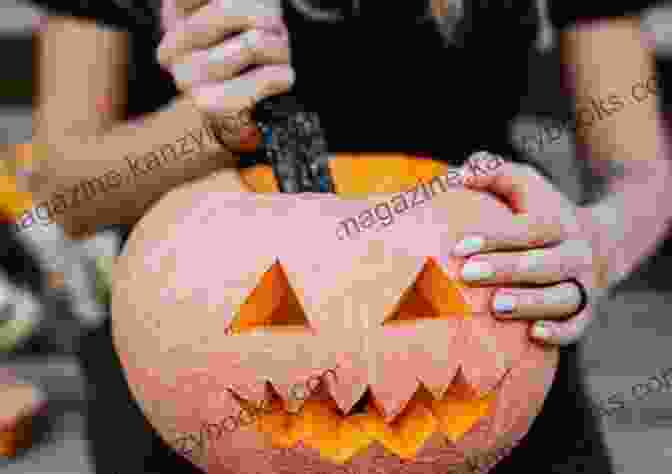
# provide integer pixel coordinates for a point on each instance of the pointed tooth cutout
(282, 356)
(392, 378)
(258, 393)
(432, 351)
(477, 437)
(458, 416)
(351, 380)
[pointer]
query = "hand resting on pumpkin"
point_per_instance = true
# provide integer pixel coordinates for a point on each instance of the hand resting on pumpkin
(547, 245)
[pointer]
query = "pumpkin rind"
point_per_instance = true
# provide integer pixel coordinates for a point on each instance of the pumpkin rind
(263, 316)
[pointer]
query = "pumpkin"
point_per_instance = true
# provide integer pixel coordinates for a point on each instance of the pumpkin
(16, 160)
(21, 403)
(223, 304)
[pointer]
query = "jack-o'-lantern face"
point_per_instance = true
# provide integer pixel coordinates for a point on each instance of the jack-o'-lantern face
(235, 303)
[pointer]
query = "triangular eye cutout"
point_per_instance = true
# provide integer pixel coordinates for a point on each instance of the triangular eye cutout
(272, 303)
(433, 295)
(442, 292)
(412, 305)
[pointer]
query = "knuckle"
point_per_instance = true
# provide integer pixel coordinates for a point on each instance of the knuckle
(251, 41)
(279, 80)
(181, 84)
(258, 16)
(168, 50)
(271, 49)
(201, 98)
(270, 22)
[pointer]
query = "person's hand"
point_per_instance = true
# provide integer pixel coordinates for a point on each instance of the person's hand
(545, 262)
(227, 55)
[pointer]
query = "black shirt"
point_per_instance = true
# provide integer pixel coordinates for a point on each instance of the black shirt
(380, 81)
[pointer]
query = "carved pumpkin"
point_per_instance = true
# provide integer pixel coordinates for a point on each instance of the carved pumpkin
(221, 305)
(15, 161)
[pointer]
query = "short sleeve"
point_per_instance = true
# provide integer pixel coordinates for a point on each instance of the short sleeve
(129, 15)
(564, 13)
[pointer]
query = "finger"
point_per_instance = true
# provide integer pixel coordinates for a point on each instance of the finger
(242, 93)
(184, 7)
(521, 231)
(226, 60)
(238, 134)
(212, 23)
(519, 185)
(169, 15)
(535, 267)
(563, 333)
(174, 10)
(232, 124)
(555, 302)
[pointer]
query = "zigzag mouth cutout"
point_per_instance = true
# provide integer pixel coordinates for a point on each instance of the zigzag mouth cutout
(321, 425)
(319, 422)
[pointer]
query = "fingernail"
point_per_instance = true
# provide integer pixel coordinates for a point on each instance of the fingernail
(541, 331)
(474, 271)
(505, 303)
(468, 246)
(182, 72)
(226, 52)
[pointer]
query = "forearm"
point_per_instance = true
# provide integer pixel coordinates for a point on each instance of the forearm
(628, 134)
(629, 222)
(113, 176)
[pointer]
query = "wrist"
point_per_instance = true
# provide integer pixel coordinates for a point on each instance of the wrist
(634, 203)
(594, 221)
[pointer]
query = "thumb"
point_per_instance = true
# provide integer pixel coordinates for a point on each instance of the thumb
(174, 10)
(520, 186)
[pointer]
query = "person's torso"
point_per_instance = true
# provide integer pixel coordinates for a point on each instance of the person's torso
(384, 81)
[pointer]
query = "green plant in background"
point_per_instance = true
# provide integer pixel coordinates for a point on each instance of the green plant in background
(104, 265)
(15, 331)
(20, 317)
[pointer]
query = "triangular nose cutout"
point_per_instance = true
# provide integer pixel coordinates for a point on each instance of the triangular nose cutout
(273, 302)
(433, 295)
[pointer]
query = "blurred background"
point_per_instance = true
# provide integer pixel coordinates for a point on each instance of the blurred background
(50, 286)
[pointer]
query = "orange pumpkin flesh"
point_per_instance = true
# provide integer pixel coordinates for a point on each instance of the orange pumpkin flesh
(14, 201)
(460, 409)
